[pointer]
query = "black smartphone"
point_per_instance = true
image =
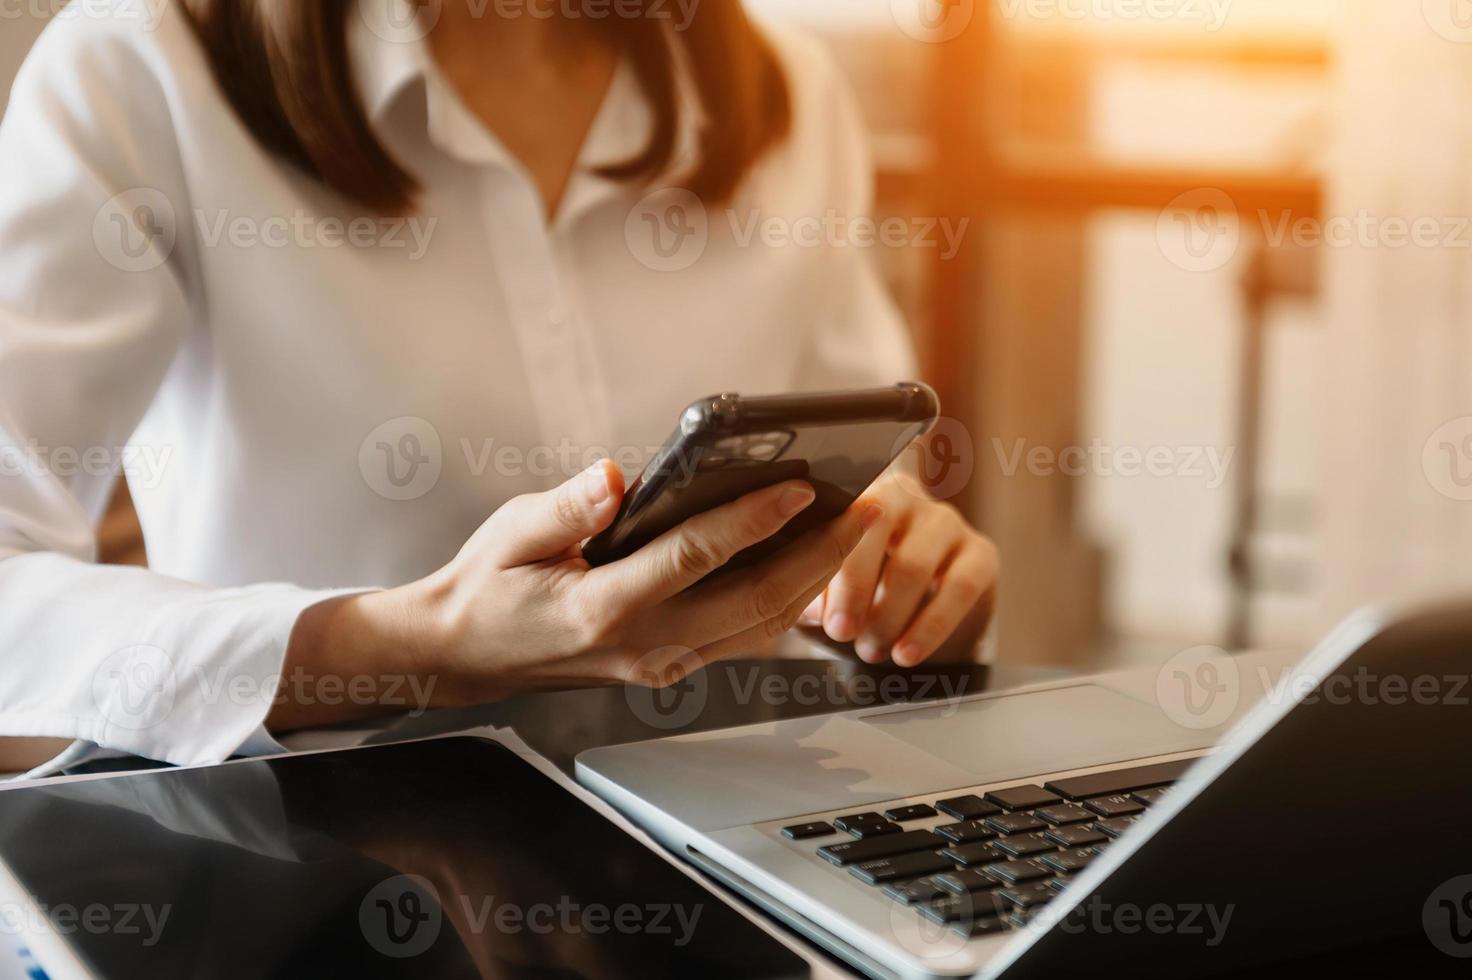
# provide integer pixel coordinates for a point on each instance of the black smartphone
(728, 446)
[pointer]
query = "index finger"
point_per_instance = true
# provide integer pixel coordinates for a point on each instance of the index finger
(680, 557)
(765, 592)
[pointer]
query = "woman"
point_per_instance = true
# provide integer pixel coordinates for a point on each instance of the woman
(346, 277)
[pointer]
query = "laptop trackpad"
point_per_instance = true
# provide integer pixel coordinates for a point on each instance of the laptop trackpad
(1041, 731)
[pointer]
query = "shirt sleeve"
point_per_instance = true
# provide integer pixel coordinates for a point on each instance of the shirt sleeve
(860, 339)
(96, 299)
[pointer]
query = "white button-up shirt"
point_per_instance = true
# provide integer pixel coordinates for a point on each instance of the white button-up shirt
(308, 401)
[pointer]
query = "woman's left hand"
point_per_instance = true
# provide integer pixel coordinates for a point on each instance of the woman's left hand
(917, 577)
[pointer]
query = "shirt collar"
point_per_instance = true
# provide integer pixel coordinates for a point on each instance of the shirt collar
(391, 61)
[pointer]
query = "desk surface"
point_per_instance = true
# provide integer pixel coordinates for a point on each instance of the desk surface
(561, 724)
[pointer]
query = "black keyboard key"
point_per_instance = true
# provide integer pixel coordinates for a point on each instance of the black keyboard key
(1023, 845)
(1027, 896)
(967, 807)
(1057, 885)
(1012, 872)
(883, 870)
(971, 855)
(919, 890)
(852, 820)
(963, 907)
(980, 927)
(965, 880)
(1115, 806)
(856, 851)
(863, 831)
(1115, 827)
(1067, 862)
(802, 831)
(1119, 780)
(1075, 836)
(1022, 797)
(1149, 797)
(966, 832)
(1064, 813)
(1014, 823)
(915, 811)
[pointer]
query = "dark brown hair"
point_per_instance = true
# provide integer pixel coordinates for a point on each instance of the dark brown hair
(284, 66)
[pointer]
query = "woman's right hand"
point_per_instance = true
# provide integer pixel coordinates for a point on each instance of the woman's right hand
(519, 609)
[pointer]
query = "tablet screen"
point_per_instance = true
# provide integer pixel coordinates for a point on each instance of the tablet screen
(446, 858)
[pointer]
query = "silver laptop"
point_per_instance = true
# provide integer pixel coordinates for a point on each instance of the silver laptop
(1185, 821)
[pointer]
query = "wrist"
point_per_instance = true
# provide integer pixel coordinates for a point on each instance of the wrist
(403, 633)
(360, 644)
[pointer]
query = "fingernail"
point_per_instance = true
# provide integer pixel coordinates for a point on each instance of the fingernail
(870, 516)
(813, 614)
(907, 654)
(795, 501)
(841, 627)
(868, 650)
(595, 484)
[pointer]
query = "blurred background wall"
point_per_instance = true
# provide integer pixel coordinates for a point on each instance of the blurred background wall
(18, 29)
(1116, 302)
(1203, 390)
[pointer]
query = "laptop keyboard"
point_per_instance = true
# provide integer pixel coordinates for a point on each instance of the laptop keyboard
(1005, 854)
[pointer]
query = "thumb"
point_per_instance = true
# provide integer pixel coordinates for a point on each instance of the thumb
(547, 525)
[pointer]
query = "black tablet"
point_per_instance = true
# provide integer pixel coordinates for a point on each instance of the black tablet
(445, 858)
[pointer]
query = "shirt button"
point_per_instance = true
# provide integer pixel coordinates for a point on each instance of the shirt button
(557, 316)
